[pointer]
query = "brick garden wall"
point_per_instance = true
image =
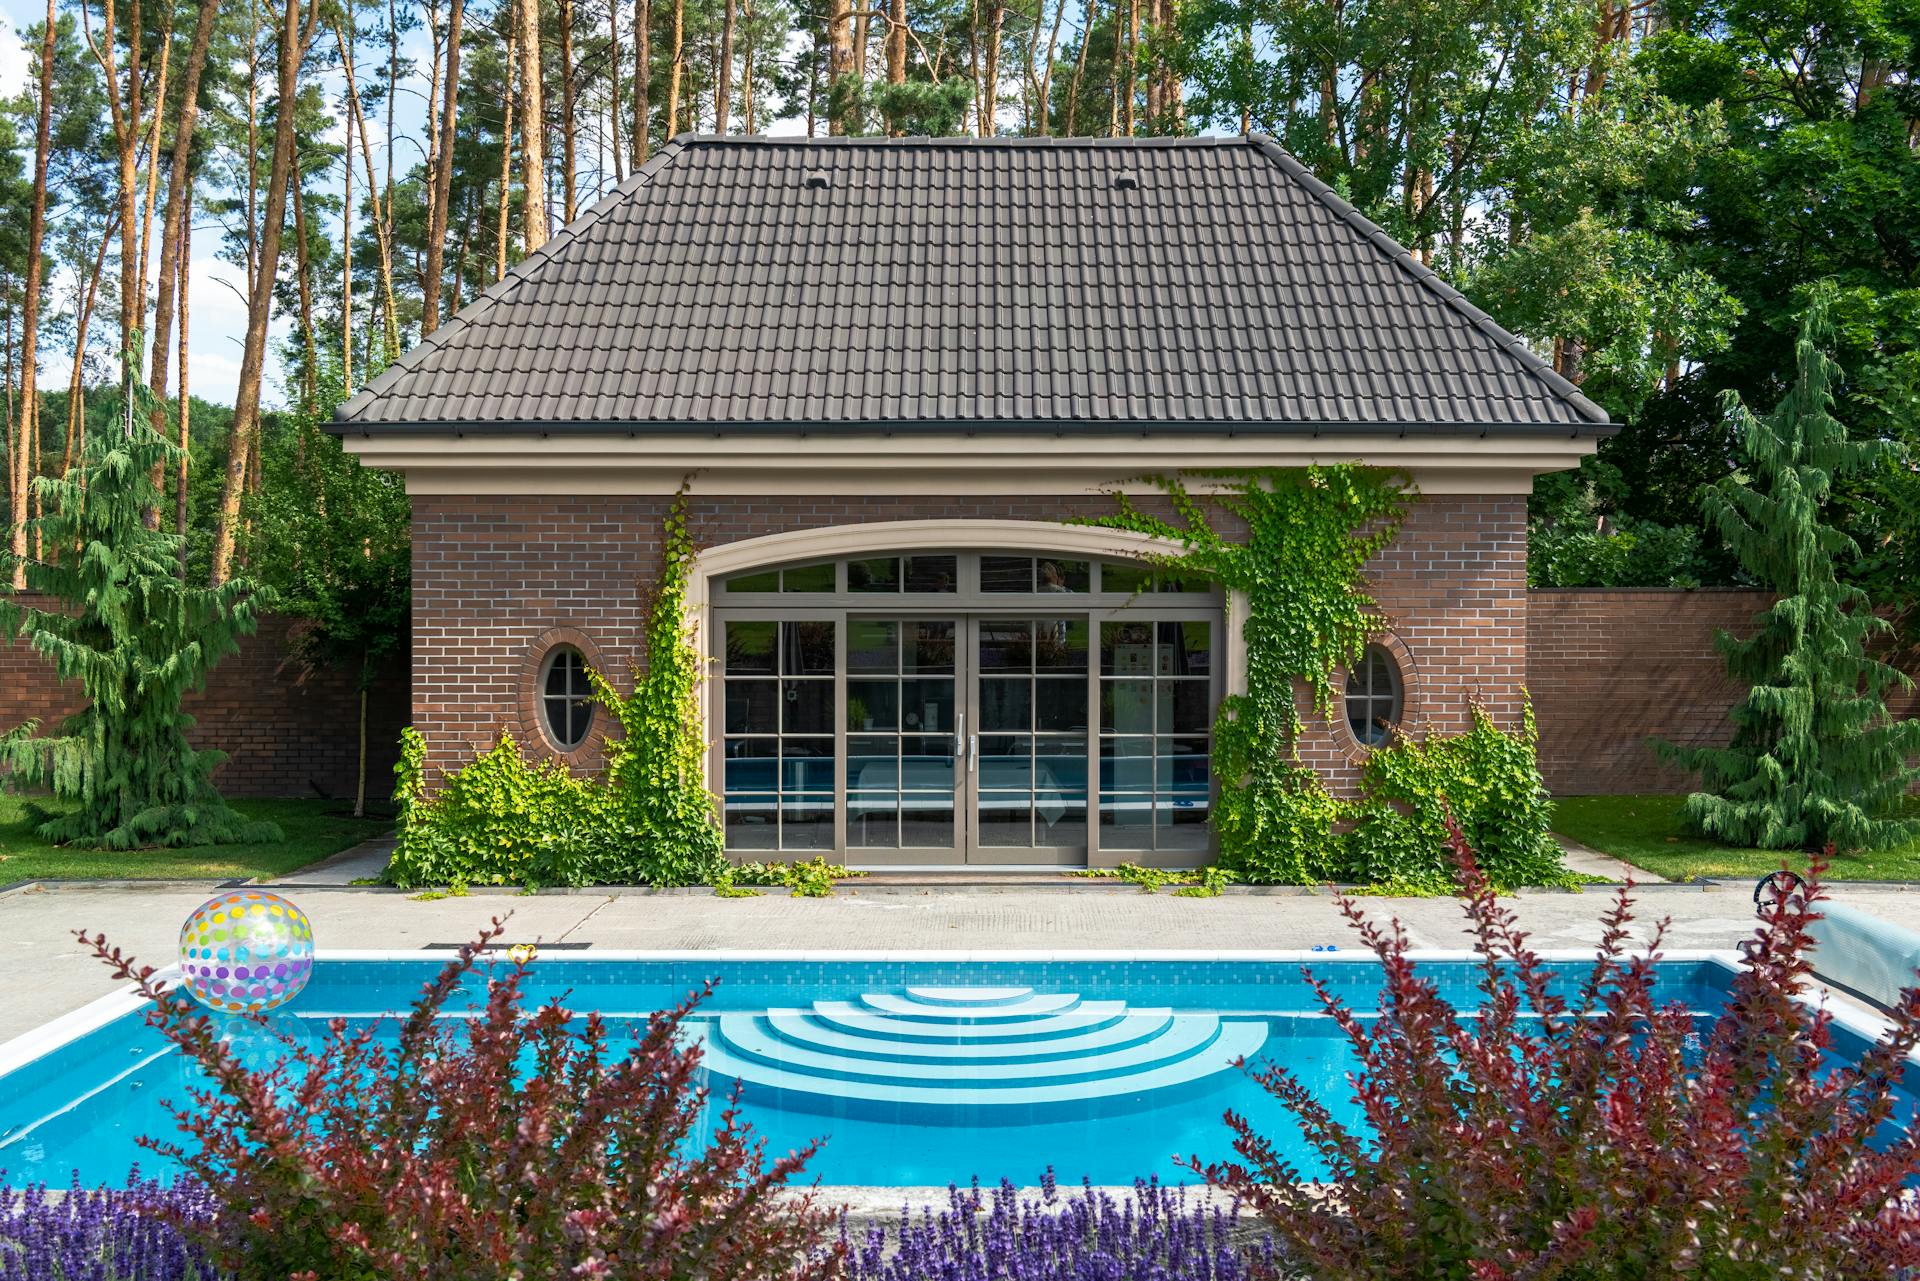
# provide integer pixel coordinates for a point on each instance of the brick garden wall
(1610, 669)
(499, 579)
(286, 733)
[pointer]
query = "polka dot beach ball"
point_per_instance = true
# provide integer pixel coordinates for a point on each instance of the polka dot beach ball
(246, 952)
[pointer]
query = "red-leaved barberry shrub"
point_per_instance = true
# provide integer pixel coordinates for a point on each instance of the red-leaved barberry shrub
(1603, 1135)
(511, 1144)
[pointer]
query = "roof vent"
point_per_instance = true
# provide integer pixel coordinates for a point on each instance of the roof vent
(1126, 180)
(817, 180)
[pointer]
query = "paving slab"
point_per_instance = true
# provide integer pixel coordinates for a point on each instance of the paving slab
(49, 973)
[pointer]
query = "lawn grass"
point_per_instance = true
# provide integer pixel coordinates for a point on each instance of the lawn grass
(313, 829)
(1646, 832)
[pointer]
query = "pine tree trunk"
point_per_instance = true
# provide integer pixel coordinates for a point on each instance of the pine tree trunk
(896, 43)
(642, 133)
(839, 56)
(21, 478)
(566, 109)
(382, 210)
(76, 417)
(1080, 71)
(506, 158)
(246, 404)
(673, 72)
(723, 92)
(442, 178)
(533, 127)
(183, 464)
(303, 288)
(360, 775)
(153, 161)
(746, 78)
(177, 215)
(614, 70)
(990, 73)
(1044, 125)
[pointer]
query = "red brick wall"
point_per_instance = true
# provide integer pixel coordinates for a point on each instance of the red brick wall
(285, 734)
(494, 575)
(1609, 669)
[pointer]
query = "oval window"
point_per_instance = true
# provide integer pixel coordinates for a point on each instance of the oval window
(566, 698)
(1374, 696)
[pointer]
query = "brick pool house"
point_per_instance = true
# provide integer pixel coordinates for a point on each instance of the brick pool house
(894, 370)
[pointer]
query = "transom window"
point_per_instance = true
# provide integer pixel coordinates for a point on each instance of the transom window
(566, 698)
(1375, 696)
(948, 574)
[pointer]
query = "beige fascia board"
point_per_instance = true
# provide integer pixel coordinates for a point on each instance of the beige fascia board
(933, 464)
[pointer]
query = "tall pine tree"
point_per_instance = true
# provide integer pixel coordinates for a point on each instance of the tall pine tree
(1815, 759)
(121, 622)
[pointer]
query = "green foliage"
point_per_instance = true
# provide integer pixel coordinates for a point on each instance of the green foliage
(665, 829)
(499, 820)
(503, 820)
(1486, 779)
(812, 879)
(1309, 537)
(1201, 882)
(1815, 759)
(1577, 538)
(334, 539)
(1310, 534)
(136, 638)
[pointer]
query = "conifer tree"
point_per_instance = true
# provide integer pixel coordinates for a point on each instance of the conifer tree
(121, 621)
(1815, 759)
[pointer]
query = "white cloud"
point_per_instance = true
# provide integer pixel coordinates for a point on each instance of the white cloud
(14, 62)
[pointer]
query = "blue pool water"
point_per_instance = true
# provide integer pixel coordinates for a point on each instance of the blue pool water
(913, 1073)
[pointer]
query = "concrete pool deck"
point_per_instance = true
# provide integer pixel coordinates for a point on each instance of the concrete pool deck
(49, 973)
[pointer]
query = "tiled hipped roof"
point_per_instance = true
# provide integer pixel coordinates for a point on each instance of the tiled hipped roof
(1052, 284)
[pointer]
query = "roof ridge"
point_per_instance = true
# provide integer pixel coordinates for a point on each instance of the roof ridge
(956, 141)
(1509, 342)
(515, 276)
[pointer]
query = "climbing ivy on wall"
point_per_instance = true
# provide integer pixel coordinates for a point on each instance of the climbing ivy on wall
(656, 767)
(648, 821)
(1308, 536)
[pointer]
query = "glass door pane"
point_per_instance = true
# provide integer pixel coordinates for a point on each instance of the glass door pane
(903, 734)
(1030, 739)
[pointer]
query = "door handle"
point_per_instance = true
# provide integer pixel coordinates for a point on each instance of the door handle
(973, 752)
(959, 733)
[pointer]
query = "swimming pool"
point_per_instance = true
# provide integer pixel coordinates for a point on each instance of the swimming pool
(915, 1070)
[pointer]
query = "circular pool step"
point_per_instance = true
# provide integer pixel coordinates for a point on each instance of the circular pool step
(990, 1054)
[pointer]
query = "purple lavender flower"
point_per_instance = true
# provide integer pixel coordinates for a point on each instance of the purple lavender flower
(103, 1234)
(1156, 1235)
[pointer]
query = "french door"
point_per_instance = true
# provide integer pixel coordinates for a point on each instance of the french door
(1015, 737)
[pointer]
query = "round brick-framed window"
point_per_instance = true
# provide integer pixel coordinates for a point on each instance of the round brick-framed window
(556, 700)
(1376, 696)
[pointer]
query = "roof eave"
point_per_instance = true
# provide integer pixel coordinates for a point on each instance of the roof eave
(999, 427)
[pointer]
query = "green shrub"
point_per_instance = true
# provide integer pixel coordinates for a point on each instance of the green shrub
(499, 820)
(1487, 779)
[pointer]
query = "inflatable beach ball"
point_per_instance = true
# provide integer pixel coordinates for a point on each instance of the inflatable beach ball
(246, 952)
